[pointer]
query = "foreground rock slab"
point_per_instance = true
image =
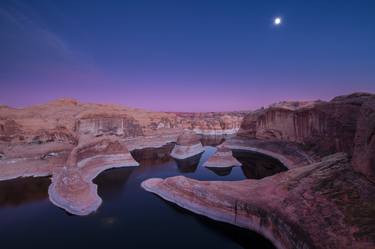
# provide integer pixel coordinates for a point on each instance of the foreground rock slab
(322, 205)
(72, 188)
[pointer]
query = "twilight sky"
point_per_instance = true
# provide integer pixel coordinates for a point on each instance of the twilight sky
(196, 55)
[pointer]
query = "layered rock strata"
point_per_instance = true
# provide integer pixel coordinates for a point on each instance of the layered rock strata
(72, 188)
(364, 150)
(222, 158)
(321, 127)
(67, 119)
(68, 140)
(321, 205)
(188, 145)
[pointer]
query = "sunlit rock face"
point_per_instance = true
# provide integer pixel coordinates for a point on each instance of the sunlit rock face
(322, 205)
(188, 145)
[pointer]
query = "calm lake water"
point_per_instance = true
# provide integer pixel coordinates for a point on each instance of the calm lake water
(129, 217)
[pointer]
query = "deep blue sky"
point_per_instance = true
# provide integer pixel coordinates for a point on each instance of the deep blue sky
(193, 55)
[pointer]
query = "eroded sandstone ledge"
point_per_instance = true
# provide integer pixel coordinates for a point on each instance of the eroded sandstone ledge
(222, 158)
(188, 145)
(322, 205)
(325, 200)
(72, 188)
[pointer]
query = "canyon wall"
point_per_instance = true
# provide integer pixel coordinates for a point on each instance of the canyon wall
(323, 128)
(66, 120)
(364, 151)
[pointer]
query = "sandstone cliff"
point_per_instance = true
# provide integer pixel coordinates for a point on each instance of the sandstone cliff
(321, 127)
(65, 120)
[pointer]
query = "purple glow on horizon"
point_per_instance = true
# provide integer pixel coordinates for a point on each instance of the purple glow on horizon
(165, 57)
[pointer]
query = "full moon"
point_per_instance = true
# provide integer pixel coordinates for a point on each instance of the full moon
(277, 21)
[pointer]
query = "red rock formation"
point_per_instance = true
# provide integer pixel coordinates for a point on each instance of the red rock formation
(72, 188)
(322, 205)
(188, 145)
(74, 118)
(188, 138)
(322, 127)
(364, 142)
(222, 158)
(319, 202)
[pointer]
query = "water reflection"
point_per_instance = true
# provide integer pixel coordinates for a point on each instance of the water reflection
(25, 190)
(221, 171)
(243, 237)
(256, 165)
(188, 165)
(152, 156)
(213, 140)
(112, 182)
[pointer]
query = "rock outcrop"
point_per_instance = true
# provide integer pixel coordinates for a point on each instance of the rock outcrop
(222, 158)
(188, 145)
(364, 142)
(322, 127)
(72, 188)
(322, 205)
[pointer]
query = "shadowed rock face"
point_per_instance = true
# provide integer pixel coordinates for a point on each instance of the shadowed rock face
(364, 142)
(322, 127)
(257, 165)
(322, 205)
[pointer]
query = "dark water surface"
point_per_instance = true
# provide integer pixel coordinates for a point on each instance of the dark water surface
(129, 216)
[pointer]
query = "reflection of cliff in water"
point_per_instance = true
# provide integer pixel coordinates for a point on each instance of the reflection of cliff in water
(149, 156)
(256, 165)
(111, 182)
(221, 171)
(212, 140)
(188, 165)
(25, 190)
(245, 238)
